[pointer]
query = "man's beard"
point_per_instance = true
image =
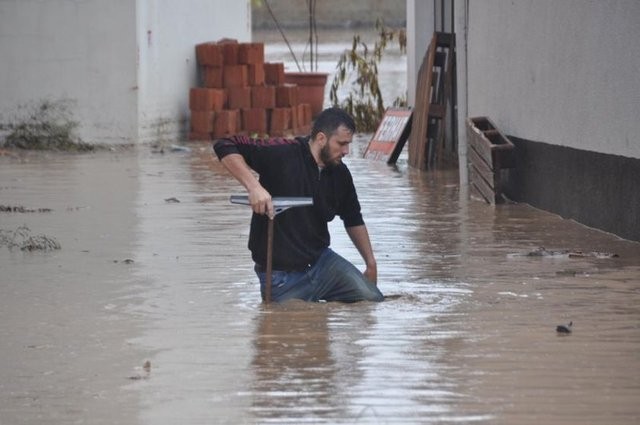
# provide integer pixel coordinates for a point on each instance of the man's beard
(325, 157)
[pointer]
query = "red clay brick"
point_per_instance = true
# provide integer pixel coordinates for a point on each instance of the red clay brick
(230, 52)
(254, 120)
(308, 113)
(263, 97)
(202, 121)
(239, 129)
(303, 118)
(256, 74)
(199, 136)
(294, 117)
(206, 99)
(274, 73)
(235, 76)
(280, 121)
(251, 53)
(225, 123)
(286, 95)
(239, 97)
(212, 76)
(300, 116)
(209, 54)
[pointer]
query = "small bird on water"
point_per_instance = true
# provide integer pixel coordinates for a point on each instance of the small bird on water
(564, 329)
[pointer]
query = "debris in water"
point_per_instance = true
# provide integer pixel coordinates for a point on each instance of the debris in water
(566, 273)
(178, 148)
(564, 253)
(172, 200)
(126, 261)
(564, 329)
(21, 209)
(144, 374)
(23, 239)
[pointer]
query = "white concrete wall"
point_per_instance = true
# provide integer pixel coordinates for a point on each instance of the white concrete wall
(81, 52)
(419, 31)
(562, 72)
(125, 67)
(167, 32)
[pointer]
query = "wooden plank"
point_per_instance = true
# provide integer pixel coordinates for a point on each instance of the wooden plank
(418, 138)
(437, 111)
(440, 59)
(475, 192)
(444, 39)
(482, 186)
(481, 145)
(483, 168)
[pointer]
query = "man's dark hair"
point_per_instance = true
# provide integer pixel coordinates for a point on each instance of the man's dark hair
(329, 120)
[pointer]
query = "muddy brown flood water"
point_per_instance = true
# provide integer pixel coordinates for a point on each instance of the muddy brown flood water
(468, 336)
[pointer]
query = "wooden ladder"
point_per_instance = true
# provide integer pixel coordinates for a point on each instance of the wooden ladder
(433, 93)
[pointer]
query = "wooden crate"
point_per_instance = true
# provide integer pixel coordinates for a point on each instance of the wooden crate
(490, 155)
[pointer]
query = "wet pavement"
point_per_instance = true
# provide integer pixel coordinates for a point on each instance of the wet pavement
(468, 334)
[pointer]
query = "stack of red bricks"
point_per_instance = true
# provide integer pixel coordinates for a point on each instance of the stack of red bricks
(241, 94)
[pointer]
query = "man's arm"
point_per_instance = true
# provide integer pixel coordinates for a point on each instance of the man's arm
(259, 198)
(360, 238)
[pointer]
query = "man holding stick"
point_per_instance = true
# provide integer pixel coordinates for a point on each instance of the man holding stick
(304, 267)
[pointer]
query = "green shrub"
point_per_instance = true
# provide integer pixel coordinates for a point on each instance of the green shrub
(364, 101)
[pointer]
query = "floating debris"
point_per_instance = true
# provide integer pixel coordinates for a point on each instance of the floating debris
(23, 239)
(21, 209)
(144, 374)
(178, 148)
(567, 273)
(172, 200)
(564, 329)
(564, 253)
(126, 261)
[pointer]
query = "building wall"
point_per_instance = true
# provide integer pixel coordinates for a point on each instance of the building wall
(124, 68)
(564, 72)
(560, 78)
(167, 32)
(420, 27)
(80, 53)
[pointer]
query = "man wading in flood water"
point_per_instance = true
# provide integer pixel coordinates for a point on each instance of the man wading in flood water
(304, 267)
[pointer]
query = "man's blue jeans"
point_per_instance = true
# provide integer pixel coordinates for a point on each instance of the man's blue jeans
(331, 278)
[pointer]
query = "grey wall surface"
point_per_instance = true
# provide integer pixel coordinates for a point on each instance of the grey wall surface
(562, 80)
(562, 72)
(79, 53)
(123, 68)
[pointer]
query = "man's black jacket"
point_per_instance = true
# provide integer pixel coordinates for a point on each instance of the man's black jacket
(287, 168)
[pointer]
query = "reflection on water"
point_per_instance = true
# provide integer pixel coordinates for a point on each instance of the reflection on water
(468, 334)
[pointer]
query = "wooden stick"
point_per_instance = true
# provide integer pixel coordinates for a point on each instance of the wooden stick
(267, 283)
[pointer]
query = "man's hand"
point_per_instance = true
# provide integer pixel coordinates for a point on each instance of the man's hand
(260, 201)
(259, 198)
(360, 238)
(371, 273)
